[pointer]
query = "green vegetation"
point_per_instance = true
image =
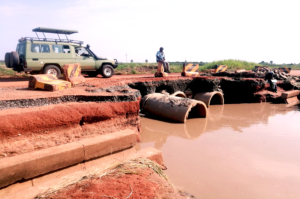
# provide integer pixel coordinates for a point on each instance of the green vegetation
(292, 66)
(143, 68)
(231, 64)
(176, 67)
(9, 72)
(6, 71)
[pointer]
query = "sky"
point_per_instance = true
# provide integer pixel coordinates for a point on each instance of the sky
(192, 30)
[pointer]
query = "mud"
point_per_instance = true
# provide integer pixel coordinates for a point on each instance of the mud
(238, 151)
(236, 90)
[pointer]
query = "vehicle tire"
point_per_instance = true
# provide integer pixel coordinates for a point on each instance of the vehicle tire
(107, 71)
(7, 60)
(14, 60)
(53, 70)
(92, 73)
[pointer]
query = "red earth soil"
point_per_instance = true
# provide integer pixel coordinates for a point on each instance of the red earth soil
(143, 183)
(42, 127)
(63, 116)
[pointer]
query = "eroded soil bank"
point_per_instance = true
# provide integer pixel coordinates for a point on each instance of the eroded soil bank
(239, 151)
(43, 127)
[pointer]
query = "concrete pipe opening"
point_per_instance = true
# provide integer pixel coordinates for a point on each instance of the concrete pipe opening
(210, 98)
(173, 108)
(179, 94)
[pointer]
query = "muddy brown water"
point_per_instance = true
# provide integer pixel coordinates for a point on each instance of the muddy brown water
(239, 151)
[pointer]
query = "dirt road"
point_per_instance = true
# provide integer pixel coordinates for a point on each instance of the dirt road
(23, 82)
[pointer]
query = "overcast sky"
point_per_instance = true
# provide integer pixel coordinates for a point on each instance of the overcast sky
(196, 30)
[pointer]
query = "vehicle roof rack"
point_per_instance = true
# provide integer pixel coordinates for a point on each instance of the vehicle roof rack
(49, 39)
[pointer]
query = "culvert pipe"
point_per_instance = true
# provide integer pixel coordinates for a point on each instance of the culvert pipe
(179, 94)
(210, 98)
(172, 108)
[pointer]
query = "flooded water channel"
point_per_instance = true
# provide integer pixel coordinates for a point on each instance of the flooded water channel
(239, 151)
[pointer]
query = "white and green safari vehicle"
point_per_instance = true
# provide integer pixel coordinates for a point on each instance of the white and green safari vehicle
(48, 56)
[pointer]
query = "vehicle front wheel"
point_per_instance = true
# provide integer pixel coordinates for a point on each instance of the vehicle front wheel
(107, 71)
(53, 70)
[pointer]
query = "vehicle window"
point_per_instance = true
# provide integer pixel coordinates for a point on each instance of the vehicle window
(35, 48)
(45, 48)
(81, 51)
(21, 49)
(57, 48)
(66, 49)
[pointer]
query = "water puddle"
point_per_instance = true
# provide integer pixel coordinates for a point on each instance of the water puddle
(239, 151)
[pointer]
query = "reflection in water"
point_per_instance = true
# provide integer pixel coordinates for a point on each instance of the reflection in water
(159, 131)
(238, 151)
(235, 116)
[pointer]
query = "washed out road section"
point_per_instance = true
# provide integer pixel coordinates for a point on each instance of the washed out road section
(239, 151)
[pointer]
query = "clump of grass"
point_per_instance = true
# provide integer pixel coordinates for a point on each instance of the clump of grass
(6, 71)
(133, 71)
(122, 168)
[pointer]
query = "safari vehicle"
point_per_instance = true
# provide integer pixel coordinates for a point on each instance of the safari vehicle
(48, 56)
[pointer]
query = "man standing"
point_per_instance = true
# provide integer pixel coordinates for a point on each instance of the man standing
(160, 58)
(270, 79)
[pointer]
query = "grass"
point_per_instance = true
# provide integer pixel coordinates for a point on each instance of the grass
(122, 168)
(231, 64)
(176, 67)
(134, 68)
(143, 68)
(6, 71)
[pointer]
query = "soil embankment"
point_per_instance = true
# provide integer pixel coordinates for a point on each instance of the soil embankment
(42, 127)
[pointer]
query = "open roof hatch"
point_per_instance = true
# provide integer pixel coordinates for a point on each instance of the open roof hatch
(54, 31)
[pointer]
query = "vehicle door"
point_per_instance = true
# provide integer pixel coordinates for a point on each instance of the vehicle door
(86, 60)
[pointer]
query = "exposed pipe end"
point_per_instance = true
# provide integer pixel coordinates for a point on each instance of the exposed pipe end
(210, 98)
(179, 94)
(196, 110)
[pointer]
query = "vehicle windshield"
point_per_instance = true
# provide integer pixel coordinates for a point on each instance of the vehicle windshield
(81, 51)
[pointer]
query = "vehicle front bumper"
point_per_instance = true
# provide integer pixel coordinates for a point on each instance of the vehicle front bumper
(116, 63)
